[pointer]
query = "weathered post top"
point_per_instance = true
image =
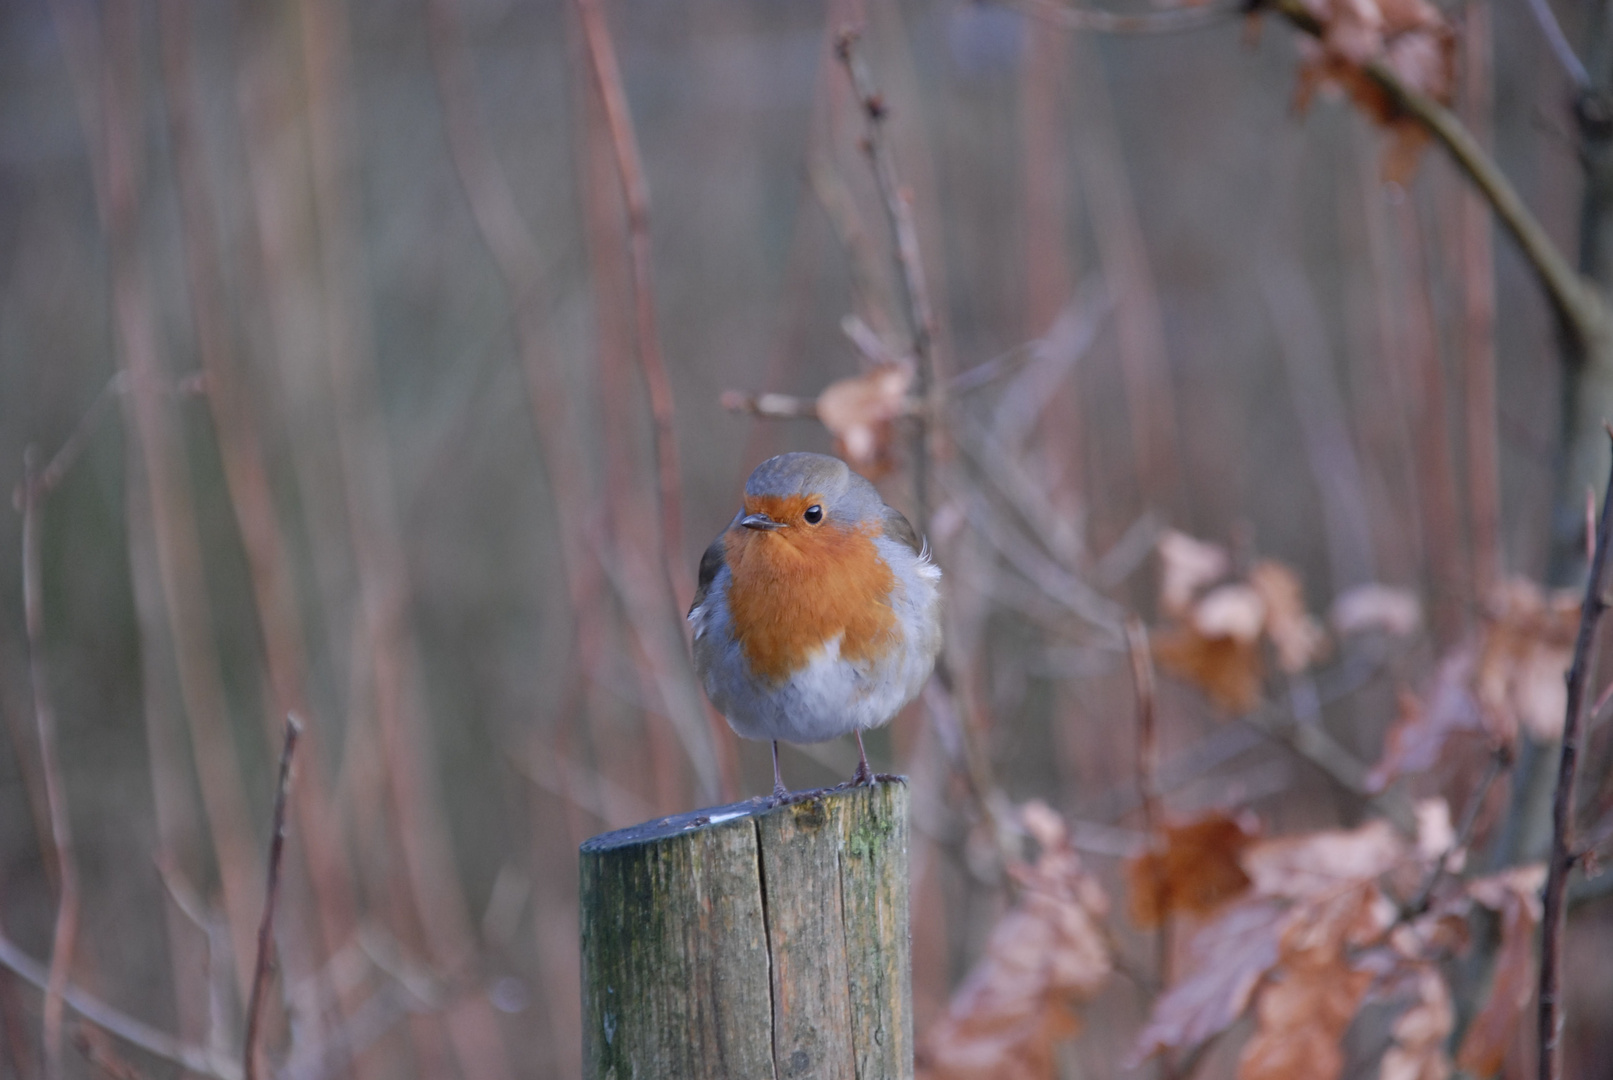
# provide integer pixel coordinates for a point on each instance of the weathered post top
(751, 941)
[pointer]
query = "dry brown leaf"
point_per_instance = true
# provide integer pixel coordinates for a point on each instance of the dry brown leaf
(858, 412)
(1376, 607)
(1526, 648)
(1509, 677)
(1409, 37)
(1521, 883)
(1302, 1016)
(1298, 638)
(1046, 956)
(1226, 960)
(1187, 567)
(1436, 835)
(1515, 895)
(1195, 869)
(1235, 610)
(1228, 669)
(1314, 992)
(1303, 867)
(1417, 1051)
(1419, 736)
(1288, 944)
(1348, 917)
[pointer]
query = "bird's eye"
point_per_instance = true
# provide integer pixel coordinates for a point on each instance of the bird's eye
(814, 514)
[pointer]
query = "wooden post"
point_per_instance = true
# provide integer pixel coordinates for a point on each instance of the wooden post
(746, 942)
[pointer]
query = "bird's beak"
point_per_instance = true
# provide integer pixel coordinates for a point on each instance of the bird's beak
(760, 522)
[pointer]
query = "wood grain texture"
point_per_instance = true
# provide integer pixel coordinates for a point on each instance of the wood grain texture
(749, 941)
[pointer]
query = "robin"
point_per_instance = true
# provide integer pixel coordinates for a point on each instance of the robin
(817, 611)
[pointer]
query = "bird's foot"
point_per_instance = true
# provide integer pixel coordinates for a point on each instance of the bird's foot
(870, 779)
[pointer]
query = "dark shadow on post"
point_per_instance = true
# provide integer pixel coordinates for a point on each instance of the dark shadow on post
(751, 941)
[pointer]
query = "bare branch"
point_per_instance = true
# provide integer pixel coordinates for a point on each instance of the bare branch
(74, 445)
(1563, 853)
(1166, 21)
(1560, 48)
(899, 210)
(1142, 677)
(1573, 296)
(635, 193)
(61, 828)
(1500, 762)
(277, 844)
(134, 1032)
(771, 406)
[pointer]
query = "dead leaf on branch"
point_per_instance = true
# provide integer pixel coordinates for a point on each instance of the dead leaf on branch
(1376, 607)
(1311, 901)
(1315, 989)
(1425, 725)
(1301, 1018)
(1304, 867)
(1188, 566)
(1229, 670)
(859, 411)
(1218, 627)
(1526, 646)
(1234, 610)
(1226, 959)
(1411, 38)
(1193, 869)
(1515, 896)
(1315, 934)
(1507, 677)
(1417, 1049)
(1045, 957)
(1298, 638)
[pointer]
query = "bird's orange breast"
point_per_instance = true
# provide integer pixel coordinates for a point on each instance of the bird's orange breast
(796, 588)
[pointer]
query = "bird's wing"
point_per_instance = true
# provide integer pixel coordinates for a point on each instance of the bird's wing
(897, 527)
(710, 563)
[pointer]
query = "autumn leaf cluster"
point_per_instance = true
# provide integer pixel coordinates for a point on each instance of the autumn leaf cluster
(1292, 936)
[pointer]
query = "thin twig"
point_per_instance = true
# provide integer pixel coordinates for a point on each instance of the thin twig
(364, 463)
(1500, 762)
(217, 935)
(79, 437)
(1166, 21)
(61, 828)
(1576, 298)
(910, 266)
(134, 1032)
(869, 343)
(1312, 742)
(265, 961)
(1560, 48)
(1563, 855)
(244, 460)
(635, 193)
(516, 255)
(179, 607)
(771, 406)
(91, 1043)
(1476, 259)
(1142, 677)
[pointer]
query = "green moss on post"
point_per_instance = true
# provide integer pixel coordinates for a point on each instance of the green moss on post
(751, 942)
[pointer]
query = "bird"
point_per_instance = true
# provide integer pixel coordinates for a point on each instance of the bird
(817, 611)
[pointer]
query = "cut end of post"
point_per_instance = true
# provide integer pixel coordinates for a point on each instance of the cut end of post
(755, 939)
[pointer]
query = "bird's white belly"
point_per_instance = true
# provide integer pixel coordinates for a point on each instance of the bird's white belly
(828, 697)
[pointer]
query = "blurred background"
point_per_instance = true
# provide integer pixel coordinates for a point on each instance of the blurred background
(374, 358)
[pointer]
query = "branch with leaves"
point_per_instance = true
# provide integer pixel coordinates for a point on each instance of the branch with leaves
(1564, 853)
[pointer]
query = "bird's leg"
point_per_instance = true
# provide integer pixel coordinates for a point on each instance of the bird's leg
(779, 790)
(863, 775)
